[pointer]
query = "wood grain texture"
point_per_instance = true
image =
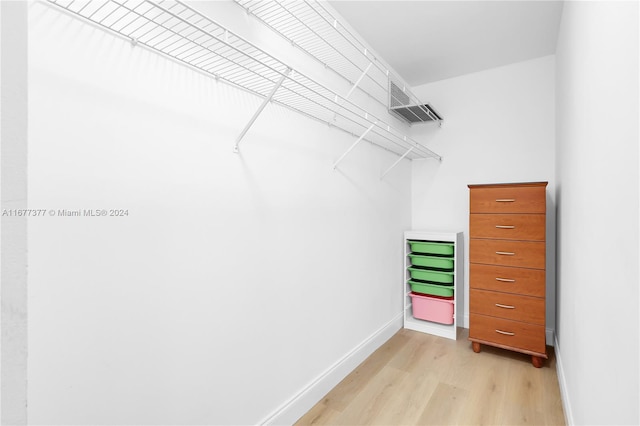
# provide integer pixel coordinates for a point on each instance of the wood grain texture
(507, 261)
(420, 379)
(509, 306)
(525, 254)
(524, 198)
(530, 282)
(530, 227)
(515, 335)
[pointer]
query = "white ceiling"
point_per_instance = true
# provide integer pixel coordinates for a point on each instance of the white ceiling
(426, 40)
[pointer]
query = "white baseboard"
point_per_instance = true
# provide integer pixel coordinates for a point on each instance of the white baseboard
(564, 394)
(289, 412)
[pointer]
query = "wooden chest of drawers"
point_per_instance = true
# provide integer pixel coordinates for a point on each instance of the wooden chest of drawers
(507, 255)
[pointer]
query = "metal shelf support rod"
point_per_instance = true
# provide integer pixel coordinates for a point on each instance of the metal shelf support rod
(353, 87)
(353, 146)
(396, 163)
(259, 110)
(359, 80)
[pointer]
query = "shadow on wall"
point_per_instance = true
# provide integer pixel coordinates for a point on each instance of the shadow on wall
(551, 265)
(554, 254)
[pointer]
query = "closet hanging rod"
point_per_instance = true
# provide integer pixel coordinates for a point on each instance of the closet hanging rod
(288, 106)
(364, 50)
(305, 34)
(180, 32)
(333, 97)
(352, 39)
(328, 42)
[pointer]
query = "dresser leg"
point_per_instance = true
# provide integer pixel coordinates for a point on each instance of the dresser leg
(537, 361)
(475, 346)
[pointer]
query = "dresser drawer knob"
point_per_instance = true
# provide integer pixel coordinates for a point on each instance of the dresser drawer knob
(506, 333)
(505, 226)
(505, 306)
(505, 280)
(505, 253)
(505, 200)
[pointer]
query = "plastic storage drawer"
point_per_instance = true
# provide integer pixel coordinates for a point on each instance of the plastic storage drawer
(431, 261)
(432, 309)
(431, 289)
(431, 275)
(431, 247)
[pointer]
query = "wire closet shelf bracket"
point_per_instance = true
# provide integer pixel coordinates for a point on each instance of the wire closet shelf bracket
(182, 33)
(311, 26)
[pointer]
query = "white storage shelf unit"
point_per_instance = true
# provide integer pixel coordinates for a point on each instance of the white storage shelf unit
(431, 327)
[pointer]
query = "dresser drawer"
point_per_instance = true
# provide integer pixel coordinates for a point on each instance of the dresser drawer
(530, 282)
(508, 226)
(508, 306)
(523, 254)
(507, 333)
(507, 199)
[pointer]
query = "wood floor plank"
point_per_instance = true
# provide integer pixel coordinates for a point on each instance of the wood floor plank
(420, 379)
(372, 401)
(406, 404)
(487, 384)
(344, 393)
(445, 406)
(320, 414)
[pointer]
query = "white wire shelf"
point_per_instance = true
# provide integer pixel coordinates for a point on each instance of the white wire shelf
(311, 27)
(180, 32)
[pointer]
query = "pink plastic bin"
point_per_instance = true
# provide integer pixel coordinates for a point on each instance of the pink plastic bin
(432, 309)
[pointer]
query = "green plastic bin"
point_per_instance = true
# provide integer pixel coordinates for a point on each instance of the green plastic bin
(431, 247)
(431, 289)
(431, 261)
(430, 275)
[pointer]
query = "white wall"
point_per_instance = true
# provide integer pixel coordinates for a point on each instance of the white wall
(1, 322)
(597, 195)
(235, 281)
(13, 248)
(499, 127)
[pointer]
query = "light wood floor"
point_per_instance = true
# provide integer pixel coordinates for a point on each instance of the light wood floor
(419, 379)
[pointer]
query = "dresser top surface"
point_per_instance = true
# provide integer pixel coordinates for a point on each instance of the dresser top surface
(510, 185)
